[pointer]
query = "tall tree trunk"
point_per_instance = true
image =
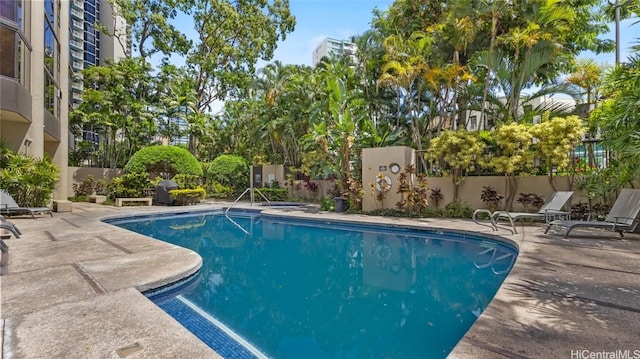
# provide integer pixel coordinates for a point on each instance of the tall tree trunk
(485, 91)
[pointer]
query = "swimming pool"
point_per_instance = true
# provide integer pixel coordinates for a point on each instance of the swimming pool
(320, 289)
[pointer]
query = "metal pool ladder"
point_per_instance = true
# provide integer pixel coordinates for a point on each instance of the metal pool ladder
(251, 191)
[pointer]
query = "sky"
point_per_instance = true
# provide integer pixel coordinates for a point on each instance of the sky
(319, 19)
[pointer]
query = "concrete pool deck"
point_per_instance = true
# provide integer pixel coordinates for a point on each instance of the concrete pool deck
(70, 288)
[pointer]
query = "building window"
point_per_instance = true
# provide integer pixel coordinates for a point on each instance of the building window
(11, 10)
(51, 58)
(11, 38)
(473, 123)
(8, 48)
(49, 47)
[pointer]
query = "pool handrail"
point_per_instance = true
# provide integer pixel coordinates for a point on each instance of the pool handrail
(252, 200)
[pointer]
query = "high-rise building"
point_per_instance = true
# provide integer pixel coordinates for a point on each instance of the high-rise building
(333, 47)
(34, 76)
(42, 43)
(90, 47)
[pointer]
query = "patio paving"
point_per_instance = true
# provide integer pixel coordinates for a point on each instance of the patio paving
(71, 289)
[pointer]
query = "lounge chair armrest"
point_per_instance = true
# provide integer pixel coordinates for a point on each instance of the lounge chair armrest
(554, 214)
(617, 219)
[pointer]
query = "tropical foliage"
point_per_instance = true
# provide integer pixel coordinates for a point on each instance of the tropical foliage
(423, 75)
(29, 180)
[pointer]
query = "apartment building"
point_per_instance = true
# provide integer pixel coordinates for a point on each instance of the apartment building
(42, 44)
(333, 47)
(34, 76)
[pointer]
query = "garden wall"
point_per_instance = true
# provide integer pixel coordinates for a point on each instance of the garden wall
(77, 174)
(471, 188)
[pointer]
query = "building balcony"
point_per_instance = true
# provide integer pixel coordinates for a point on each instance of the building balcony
(76, 14)
(77, 87)
(51, 125)
(77, 25)
(78, 5)
(75, 55)
(76, 45)
(77, 65)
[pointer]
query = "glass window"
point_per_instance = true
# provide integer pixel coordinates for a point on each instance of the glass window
(9, 9)
(49, 94)
(89, 58)
(8, 50)
(49, 47)
(473, 122)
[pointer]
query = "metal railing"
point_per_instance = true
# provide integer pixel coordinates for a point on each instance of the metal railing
(251, 191)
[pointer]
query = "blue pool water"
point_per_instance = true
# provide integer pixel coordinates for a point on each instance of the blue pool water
(309, 289)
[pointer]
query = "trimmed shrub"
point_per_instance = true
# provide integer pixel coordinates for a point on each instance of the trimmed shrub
(229, 170)
(182, 197)
(458, 210)
(164, 161)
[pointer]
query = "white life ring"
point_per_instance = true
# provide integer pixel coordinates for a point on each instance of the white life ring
(379, 181)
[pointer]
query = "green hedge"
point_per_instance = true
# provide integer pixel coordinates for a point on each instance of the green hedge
(164, 161)
(182, 197)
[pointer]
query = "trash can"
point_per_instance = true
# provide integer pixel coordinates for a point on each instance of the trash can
(161, 195)
(340, 204)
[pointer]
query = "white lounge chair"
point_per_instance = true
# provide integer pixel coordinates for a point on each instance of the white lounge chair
(9, 207)
(621, 217)
(550, 211)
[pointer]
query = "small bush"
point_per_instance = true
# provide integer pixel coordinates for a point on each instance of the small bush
(458, 210)
(218, 190)
(386, 212)
(327, 204)
(84, 188)
(164, 161)
(183, 197)
(130, 185)
(435, 195)
(275, 194)
(89, 186)
(580, 211)
(531, 200)
(490, 197)
(29, 180)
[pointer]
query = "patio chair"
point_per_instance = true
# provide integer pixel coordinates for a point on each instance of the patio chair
(8, 206)
(551, 210)
(4, 224)
(621, 217)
